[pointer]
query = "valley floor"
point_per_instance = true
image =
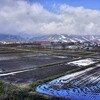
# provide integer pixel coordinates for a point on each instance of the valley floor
(58, 73)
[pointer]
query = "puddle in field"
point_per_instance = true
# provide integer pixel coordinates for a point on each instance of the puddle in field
(62, 57)
(7, 58)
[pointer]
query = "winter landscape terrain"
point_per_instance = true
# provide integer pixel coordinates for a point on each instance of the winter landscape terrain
(82, 85)
(49, 49)
(53, 72)
(54, 37)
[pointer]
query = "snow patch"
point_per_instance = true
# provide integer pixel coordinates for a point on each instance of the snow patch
(83, 62)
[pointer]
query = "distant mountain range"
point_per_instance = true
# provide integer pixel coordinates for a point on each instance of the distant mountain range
(67, 38)
(6, 37)
(53, 38)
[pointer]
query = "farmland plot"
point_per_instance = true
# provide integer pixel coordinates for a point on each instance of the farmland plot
(28, 76)
(21, 61)
(82, 85)
(25, 68)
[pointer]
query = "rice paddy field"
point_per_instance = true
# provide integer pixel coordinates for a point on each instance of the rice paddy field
(78, 71)
(25, 67)
(14, 62)
(81, 85)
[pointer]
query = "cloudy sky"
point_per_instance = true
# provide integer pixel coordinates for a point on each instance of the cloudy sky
(35, 17)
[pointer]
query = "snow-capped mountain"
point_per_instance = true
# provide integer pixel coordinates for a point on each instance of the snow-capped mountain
(52, 38)
(67, 38)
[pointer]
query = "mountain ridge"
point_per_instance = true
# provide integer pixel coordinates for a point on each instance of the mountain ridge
(52, 38)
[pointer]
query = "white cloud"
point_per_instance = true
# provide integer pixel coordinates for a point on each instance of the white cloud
(21, 17)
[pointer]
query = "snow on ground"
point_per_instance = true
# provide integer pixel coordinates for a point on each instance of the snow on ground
(72, 94)
(13, 73)
(83, 62)
(65, 78)
(84, 92)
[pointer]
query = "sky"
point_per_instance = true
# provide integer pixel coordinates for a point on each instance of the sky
(91, 4)
(35, 17)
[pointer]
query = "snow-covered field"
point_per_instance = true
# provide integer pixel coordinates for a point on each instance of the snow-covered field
(82, 85)
(83, 62)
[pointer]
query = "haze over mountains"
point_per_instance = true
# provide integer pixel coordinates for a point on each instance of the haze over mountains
(53, 38)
